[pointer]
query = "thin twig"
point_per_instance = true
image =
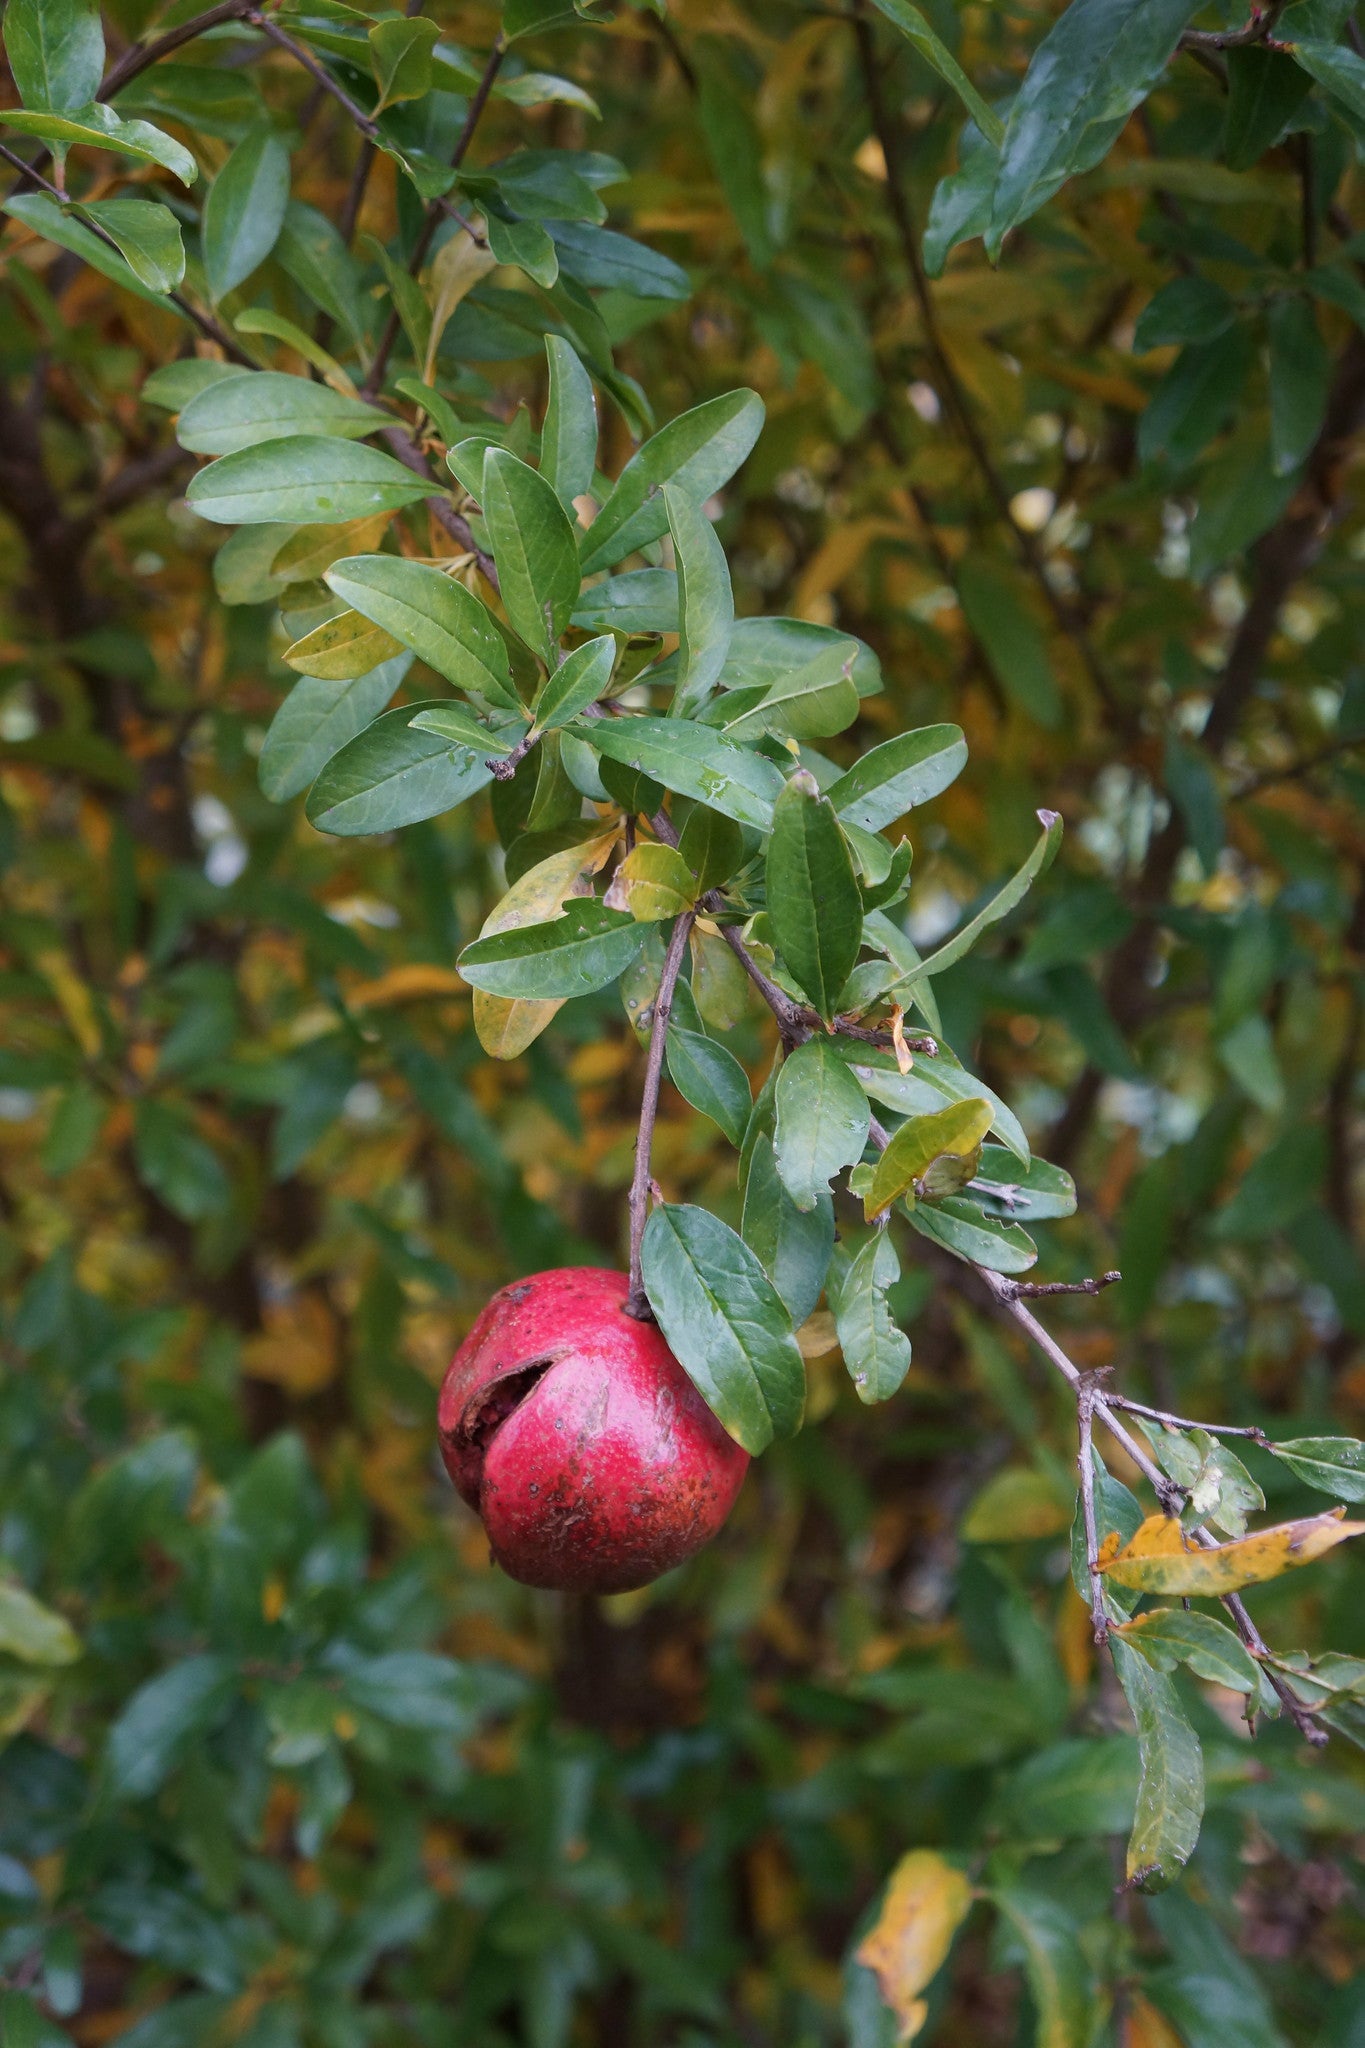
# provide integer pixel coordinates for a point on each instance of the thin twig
(1252, 1430)
(958, 402)
(1037, 1290)
(637, 1301)
(440, 508)
(301, 54)
(375, 379)
(1085, 1415)
(1259, 29)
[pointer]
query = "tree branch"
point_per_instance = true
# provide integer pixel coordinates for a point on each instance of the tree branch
(375, 379)
(958, 402)
(637, 1302)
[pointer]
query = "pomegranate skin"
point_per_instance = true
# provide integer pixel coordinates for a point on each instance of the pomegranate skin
(573, 1431)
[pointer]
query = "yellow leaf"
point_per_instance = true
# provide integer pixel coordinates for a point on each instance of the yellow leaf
(342, 648)
(1160, 1558)
(506, 1025)
(652, 882)
(457, 269)
(953, 1132)
(1143, 2026)
(410, 983)
(312, 549)
(74, 999)
(298, 1347)
(926, 1902)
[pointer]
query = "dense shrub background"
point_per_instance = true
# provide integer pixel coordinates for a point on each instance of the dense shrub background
(317, 1774)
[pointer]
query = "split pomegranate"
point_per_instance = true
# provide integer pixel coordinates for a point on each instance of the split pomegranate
(574, 1432)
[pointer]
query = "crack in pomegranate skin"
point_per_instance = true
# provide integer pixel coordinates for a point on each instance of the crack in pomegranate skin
(575, 1434)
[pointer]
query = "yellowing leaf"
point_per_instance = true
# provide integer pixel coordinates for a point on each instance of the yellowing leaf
(298, 1348)
(926, 1902)
(1017, 1506)
(457, 269)
(956, 1132)
(74, 999)
(1160, 1558)
(32, 1632)
(1143, 2026)
(412, 982)
(652, 882)
(312, 549)
(506, 1025)
(341, 649)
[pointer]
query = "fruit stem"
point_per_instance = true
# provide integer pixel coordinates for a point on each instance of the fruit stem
(637, 1301)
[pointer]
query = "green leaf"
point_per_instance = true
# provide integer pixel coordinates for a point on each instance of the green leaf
(1265, 90)
(1300, 380)
(1098, 62)
(640, 601)
(311, 250)
(175, 384)
(725, 1323)
(1195, 398)
(815, 908)
(458, 724)
(600, 258)
(1059, 1978)
(959, 1226)
(568, 439)
(697, 452)
(161, 1719)
(400, 57)
(99, 127)
(1009, 637)
(822, 1120)
(534, 548)
(1170, 1803)
(1338, 70)
(893, 778)
(955, 1131)
(37, 211)
(706, 603)
(1083, 1786)
(245, 209)
(876, 1351)
(308, 480)
(316, 720)
(809, 703)
(148, 236)
(243, 412)
(55, 50)
(32, 1632)
(435, 616)
(1042, 1191)
(585, 949)
(1187, 309)
(712, 846)
(175, 1163)
(524, 245)
(940, 58)
(1014, 892)
(934, 1081)
(693, 761)
(1331, 1464)
(1168, 1636)
(793, 1246)
(581, 678)
(392, 774)
(709, 1076)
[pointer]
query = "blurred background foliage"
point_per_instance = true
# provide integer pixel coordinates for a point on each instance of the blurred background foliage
(285, 1761)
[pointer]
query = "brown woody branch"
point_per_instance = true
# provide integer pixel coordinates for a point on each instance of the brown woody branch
(637, 1301)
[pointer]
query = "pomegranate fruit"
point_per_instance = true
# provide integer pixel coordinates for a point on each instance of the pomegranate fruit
(572, 1429)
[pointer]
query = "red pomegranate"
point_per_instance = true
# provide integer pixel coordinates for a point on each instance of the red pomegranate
(575, 1433)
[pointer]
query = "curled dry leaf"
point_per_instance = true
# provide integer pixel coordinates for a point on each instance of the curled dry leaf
(1161, 1558)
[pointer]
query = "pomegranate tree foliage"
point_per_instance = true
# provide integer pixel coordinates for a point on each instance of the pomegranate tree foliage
(426, 676)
